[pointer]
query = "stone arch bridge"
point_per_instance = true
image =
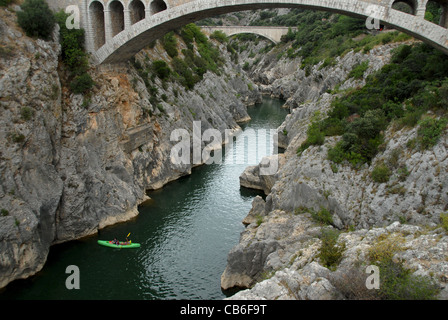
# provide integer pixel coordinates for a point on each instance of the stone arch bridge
(272, 33)
(117, 29)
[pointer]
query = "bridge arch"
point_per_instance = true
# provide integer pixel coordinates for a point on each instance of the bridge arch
(256, 33)
(137, 11)
(116, 16)
(273, 34)
(127, 43)
(157, 6)
(97, 23)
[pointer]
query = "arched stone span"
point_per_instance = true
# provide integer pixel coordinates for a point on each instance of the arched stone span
(273, 34)
(160, 20)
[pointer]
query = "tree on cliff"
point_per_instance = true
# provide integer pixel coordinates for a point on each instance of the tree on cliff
(36, 19)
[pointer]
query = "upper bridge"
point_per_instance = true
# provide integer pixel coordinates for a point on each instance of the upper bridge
(272, 33)
(118, 29)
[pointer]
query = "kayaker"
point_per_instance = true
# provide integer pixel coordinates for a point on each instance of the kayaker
(115, 241)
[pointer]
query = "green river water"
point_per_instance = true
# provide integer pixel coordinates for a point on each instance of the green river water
(185, 232)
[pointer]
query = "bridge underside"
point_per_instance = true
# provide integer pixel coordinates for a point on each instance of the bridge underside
(127, 42)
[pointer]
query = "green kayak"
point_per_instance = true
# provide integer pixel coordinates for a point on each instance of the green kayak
(122, 245)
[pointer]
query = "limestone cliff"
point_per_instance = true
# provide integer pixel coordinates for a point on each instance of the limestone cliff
(73, 164)
(278, 254)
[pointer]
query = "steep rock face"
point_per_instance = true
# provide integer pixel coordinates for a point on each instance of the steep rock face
(309, 182)
(73, 164)
(283, 78)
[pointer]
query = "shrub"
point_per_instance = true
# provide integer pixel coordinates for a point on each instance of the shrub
(36, 19)
(330, 252)
(187, 78)
(444, 220)
(430, 130)
(81, 84)
(169, 43)
(381, 174)
(322, 216)
(385, 248)
(161, 68)
(26, 113)
(398, 283)
(315, 136)
(219, 36)
(72, 46)
(358, 70)
(17, 137)
(4, 3)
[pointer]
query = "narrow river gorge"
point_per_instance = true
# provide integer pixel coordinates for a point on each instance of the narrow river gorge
(186, 231)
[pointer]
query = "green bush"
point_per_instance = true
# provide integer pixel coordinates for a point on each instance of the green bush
(322, 216)
(398, 283)
(81, 84)
(359, 70)
(444, 220)
(182, 69)
(330, 252)
(36, 19)
(381, 174)
(430, 130)
(337, 154)
(72, 46)
(219, 36)
(169, 43)
(161, 68)
(315, 136)
(4, 3)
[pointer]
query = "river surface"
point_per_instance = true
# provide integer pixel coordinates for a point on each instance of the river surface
(186, 231)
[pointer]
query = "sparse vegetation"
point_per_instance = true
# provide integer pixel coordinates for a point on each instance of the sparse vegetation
(397, 282)
(444, 220)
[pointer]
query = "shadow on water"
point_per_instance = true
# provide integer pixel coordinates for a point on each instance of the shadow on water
(186, 231)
